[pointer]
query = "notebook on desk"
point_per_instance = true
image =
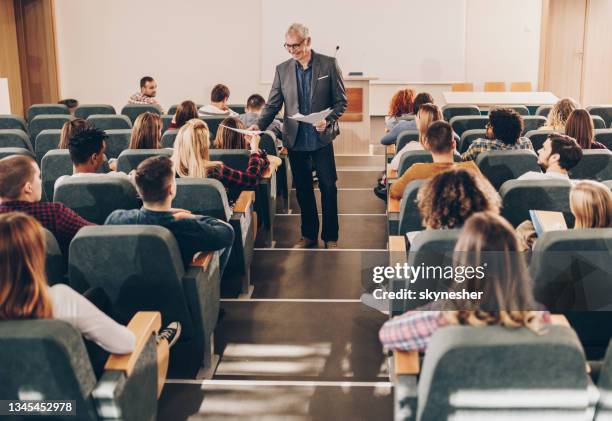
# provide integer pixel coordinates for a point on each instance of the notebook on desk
(544, 221)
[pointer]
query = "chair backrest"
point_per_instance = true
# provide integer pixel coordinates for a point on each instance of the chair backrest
(202, 196)
(139, 267)
(8, 121)
(134, 110)
(95, 196)
(46, 359)
(412, 157)
(45, 141)
(237, 159)
(598, 122)
(494, 86)
(465, 366)
(521, 196)
(409, 216)
(46, 109)
(571, 269)
(468, 136)
(166, 121)
(54, 164)
(117, 141)
(469, 122)
(603, 111)
(596, 164)
(15, 138)
(520, 87)
(501, 166)
(130, 158)
(404, 137)
(521, 109)
(239, 108)
(604, 136)
(110, 122)
(213, 123)
(55, 263)
(451, 110)
(462, 87)
(85, 110)
(267, 143)
(604, 384)
(538, 137)
(44, 122)
(543, 110)
(533, 122)
(4, 152)
(167, 139)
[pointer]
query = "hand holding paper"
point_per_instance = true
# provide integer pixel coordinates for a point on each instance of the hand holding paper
(313, 118)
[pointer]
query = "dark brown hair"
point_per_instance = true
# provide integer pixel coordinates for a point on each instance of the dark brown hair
(153, 177)
(439, 137)
(185, 112)
(507, 125)
(420, 99)
(15, 172)
(69, 129)
(568, 149)
(229, 139)
(579, 125)
(219, 93)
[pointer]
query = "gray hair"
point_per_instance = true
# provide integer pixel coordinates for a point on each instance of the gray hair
(299, 29)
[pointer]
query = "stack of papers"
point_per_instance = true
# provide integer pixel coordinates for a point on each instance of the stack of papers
(243, 131)
(313, 118)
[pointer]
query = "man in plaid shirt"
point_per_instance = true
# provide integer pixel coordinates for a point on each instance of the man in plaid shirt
(503, 133)
(148, 91)
(21, 191)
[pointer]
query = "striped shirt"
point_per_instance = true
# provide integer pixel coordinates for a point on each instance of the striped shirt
(486, 145)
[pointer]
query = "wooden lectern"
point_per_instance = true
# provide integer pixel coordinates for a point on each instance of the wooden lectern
(354, 138)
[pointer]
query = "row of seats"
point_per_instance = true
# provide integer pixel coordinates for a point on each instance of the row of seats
(492, 87)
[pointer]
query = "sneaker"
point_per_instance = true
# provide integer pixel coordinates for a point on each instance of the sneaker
(306, 243)
(171, 333)
(331, 244)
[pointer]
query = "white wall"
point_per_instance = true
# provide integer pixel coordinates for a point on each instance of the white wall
(105, 46)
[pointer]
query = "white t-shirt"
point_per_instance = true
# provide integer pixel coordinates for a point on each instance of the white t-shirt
(211, 110)
(119, 174)
(414, 145)
(73, 308)
(550, 175)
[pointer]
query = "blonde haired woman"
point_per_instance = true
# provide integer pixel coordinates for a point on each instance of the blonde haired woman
(507, 298)
(146, 133)
(427, 114)
(557, 118)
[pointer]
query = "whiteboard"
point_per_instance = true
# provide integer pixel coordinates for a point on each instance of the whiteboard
(411, 40)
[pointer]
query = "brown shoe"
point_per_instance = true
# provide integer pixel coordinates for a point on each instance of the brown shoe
(331, 244)
(306, 243)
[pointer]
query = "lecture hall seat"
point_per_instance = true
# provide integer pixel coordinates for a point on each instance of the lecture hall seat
(495, 86)
(520, 87)
(462, 87)
(15, 138)
(46, 109)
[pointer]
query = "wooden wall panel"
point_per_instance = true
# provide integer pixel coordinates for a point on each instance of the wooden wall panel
(9, 55)
(597, 73)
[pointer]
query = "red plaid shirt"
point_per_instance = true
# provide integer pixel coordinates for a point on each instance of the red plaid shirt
(139, 98)
(63, 222)
(236, 178)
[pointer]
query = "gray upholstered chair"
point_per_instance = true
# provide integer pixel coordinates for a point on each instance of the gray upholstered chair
(239, 108)
(409, 216)
(533, 122)
(15, 138)
(110, 122)
(46, 109)
(543, 110)
(44, 122)
(85, 110)
(603, 111)
(205, 196)
(167, 139)
(213, 123)
(4, 152)
(604, 136)
(130, 158)
(453, 110)
(267, 143)
(521, 196)
(117, 141)
(94, 197)
(476, 373)
(404, 137)
(460, 124)
(501, 166)
(166, 121)
(8, 121)
(55, 263)
(412, 157)
(596, 164)
(598, 122)
(54, 164)
(45, 141)
(538, 137)
(47, 359)
(521, 109)
(603, 410)
(134, 110)
(140, 267)
(468, 136)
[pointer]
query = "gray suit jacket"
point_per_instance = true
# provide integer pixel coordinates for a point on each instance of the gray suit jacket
(327, 91)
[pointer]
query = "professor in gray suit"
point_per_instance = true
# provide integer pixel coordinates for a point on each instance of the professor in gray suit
(306, 83)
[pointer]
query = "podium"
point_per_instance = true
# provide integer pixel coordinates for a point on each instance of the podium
(354, 138)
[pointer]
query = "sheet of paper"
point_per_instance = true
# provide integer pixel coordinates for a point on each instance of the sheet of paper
(244, 131)
(312, 118)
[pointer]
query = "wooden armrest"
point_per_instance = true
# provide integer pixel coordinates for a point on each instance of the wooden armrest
(393, 205)
(391, 174)
(143, 325)
(390, 149)
(244, 201)
(397, 243)
(202, 260)
(559, 320)
(406, 362)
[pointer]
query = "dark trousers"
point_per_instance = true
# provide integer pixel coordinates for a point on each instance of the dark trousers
(302, 164)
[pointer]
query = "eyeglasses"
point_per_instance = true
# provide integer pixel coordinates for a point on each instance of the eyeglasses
(291, 47)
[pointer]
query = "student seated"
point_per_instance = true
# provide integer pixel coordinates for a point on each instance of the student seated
(591, 205)
(580, 126)
(483, 232)
(21, 191)
(403, 125)
(25, 295)
(559, 154)
(254, 106)
(184, 112)
(219, 97)
(156, 185)
(503, 133)
(146, 133)
(70, 103)
(230, 139)
(191, 159)
(560, 112)
(439, 141)
(402, 104)
(148, 91)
